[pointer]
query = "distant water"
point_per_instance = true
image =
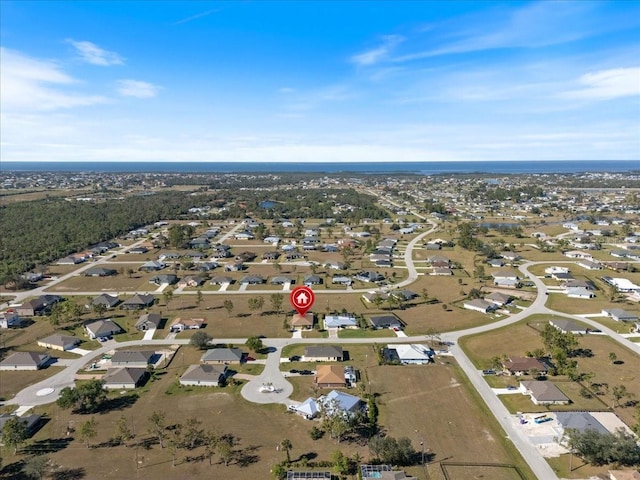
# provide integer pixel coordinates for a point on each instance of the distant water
(420, 168)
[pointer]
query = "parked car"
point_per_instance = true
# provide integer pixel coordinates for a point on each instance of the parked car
(293, 370)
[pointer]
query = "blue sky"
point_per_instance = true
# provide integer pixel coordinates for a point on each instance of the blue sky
(319, 81)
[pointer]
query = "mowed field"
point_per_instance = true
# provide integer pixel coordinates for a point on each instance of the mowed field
(517, 339)
(444, 412)
(441, 408)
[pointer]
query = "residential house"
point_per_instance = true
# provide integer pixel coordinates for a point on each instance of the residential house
(252, 280)
(199, 242)
(244, 236)
(204, 376)
(508, 274)
(272, 239)
(101, 328)
(234, 267)
(37, 306)
(369, 277)
(479, 305)
(578, 254)
(152, 266)
(148, 321)
(330, 376)
(139, 250)
(511, 256)
(340, 321)
(100, 272)
(438, 259)
(342, 401)
(206, 266)
(138, 301)
(221, 280)
(308, 409)
(412, 353)
(589, 265)
(271, 255)
(221, 251)
(385, 321)
(59, 342)
(24, 361)
(498, 299)
(303, 322)
(312, 280)
(506, 283)
(246, 257)
(335, 265)
(124, 378)
(109, 301)
(180, 324)
(620, 315)
(522, 365)
(496, 262)
(191, 281)
(323, 353)
(580, 421)
(543, 393)
(166, 279)
(579, 292)
(132, 358)
(222, 356)
(71, 260)
(342, 280)
(568, 326)
(442, 271)
(169, 256)
(281, 280)
(372, 297)
(10, 319)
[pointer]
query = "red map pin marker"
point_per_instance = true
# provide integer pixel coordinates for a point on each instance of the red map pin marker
(301, 299)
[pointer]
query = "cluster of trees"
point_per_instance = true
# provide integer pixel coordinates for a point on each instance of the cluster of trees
(392, 451)
(86, 397)
(561, 347)
(604, 448)
(46, 230)
(317, 203)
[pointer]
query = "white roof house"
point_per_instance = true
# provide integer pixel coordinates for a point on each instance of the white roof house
(412, 353)
(308, 409)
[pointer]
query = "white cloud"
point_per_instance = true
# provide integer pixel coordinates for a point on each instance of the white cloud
(607, 84)
(373, 56)
(93, 54)
(30, 84)
(286, 90)
(137, 88)
(534, 25)
(196, 16)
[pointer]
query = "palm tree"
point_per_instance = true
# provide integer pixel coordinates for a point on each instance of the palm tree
(286, 445)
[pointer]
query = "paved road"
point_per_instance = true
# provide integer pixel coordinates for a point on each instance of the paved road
(273, 375)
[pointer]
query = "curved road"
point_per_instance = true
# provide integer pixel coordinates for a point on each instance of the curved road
(272, 374)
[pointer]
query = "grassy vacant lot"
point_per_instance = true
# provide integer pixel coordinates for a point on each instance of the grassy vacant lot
(139, 281)
(516, 339)
(562, 303)
(444, 412)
